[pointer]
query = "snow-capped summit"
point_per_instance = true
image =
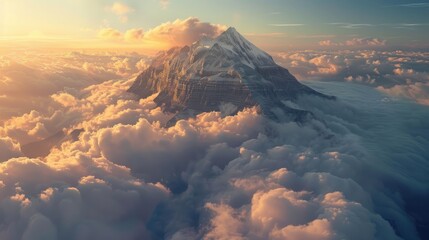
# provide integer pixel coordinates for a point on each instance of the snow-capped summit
(235, 42)
(225, 70)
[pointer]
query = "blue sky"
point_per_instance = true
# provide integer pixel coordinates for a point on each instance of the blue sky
(290, 22)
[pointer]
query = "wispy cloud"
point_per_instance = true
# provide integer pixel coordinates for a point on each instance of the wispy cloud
(286, 24)
(352, 25)
(355, 42)
(109, 33)
(365, 25)
(409, 26)
(413, 5)
(121, 10)
(164, 3)
(412, 24)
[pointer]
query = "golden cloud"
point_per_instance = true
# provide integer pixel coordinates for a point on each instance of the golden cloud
(184, 32)
(134, 34)
(120, 8)
(109, 33)
(169, 34)
(355, 42)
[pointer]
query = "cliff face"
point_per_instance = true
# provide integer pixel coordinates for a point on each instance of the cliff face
(226, 70)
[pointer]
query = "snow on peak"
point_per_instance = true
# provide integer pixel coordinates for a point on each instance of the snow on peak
(238, 47)
(232, 40)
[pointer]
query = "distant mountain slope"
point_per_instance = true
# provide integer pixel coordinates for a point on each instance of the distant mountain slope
(43, 148)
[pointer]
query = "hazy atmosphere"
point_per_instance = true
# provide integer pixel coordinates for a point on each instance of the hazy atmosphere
(183, 119)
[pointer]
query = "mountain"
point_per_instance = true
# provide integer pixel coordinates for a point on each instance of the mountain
(227, 73)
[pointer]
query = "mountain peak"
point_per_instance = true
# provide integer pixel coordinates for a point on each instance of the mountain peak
(231, 36)
(231, 31)
(249, 54)
(226, 70)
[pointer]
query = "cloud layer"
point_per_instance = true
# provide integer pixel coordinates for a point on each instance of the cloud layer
(210, 177)
(28, 78)
(398, 73)
(356, 171)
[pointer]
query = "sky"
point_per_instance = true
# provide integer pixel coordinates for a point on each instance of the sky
(273, 25)
(120, 169)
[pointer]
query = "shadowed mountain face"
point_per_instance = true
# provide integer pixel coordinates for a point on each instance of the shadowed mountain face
(225, 71)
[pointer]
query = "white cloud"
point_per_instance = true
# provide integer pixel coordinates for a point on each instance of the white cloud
(315, 230)
(134, 35)
(369, 42)
(9, 149)
(164, 3)
(184, 32)
(166, 35)
(109, 33)
(121, 10)
(398, 73)
(416, 91)
(31, 79)
(79, 205)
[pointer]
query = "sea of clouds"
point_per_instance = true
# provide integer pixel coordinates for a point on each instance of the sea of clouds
(358, 170)
(29, 77)
(399, 73)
